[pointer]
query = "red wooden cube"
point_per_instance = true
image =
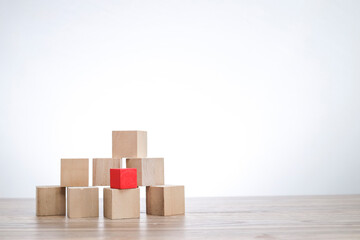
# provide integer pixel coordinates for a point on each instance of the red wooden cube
(123, 178)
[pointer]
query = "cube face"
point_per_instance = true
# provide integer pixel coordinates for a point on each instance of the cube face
(174, 200)
(101, 170)
(121, 203)
(74, 172)
(123, 178)
(129, 144)
(50, 201)
(150, 171)
(82, 202)
(155, 201)
(165, 200)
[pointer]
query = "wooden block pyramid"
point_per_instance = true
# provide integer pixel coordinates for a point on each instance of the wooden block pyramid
(122, 198)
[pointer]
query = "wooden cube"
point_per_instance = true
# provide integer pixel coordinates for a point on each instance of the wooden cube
(101, 170)
(121, 203)
(165, 200)
(150, 171)
(74, 172)
(129, 144)
(82, 202)
(50, 201)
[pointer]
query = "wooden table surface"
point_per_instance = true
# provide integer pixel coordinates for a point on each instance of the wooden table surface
(297, 217)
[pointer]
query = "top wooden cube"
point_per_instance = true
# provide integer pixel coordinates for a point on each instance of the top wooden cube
(74, 172)
(129, 144)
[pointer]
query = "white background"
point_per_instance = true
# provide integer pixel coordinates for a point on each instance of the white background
(240, 97)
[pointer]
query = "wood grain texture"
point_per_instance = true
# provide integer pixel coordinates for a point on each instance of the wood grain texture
(129, 144)
(150, 171)
(50, 201)
(121, 203)
(300, 217)
(165, 200)
(74, 172)
(82, 202)
(101, 170)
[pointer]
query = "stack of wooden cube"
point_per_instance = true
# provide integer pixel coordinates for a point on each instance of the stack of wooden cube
(120, 201)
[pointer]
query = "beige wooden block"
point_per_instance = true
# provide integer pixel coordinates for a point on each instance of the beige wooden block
(82, 202)
(165, 200)
(150, 171)
(101, 170)
(121, 203)
(129, 144)
(50, 201)
(74, 172)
